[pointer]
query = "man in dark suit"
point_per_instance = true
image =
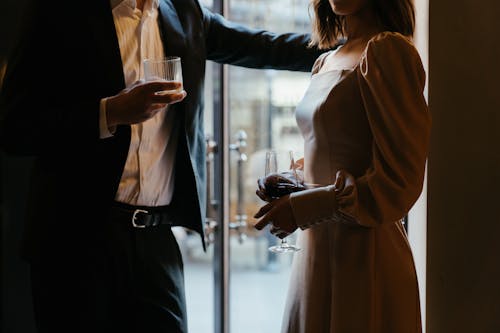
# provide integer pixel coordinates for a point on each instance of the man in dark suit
(117, 165)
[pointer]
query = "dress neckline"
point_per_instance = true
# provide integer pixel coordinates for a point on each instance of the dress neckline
(336, 70)
(342, 70)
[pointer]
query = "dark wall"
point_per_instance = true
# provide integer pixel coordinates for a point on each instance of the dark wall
(463, 267)
(16, 314)
(11, 12)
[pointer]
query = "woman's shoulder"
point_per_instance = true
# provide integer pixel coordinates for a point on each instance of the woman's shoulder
(394, 51)
(320, 60)
(389, 41)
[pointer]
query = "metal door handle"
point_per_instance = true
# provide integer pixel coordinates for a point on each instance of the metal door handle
(241, 218)
(211, 204)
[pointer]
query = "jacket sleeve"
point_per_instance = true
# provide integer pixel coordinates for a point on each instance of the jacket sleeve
(232, 43)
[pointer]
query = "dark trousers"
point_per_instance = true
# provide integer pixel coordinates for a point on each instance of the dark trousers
(136, 285)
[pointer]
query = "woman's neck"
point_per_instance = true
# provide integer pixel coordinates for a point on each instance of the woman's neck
(361, 26)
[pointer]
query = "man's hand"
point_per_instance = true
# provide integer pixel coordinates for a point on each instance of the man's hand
(141, 102)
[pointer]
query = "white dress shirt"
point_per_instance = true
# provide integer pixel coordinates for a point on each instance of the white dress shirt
(148, 176)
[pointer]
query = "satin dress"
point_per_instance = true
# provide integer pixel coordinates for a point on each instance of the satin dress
(355, 273)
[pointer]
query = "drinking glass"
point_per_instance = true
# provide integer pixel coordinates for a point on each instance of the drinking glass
(270, 168)
(165, 69)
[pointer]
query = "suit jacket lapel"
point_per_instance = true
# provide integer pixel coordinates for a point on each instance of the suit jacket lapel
(171, 29)
(109, 81)
(108, 50)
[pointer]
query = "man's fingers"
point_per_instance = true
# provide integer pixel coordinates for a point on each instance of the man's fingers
(157, 106)
(138, 82)
(168, 97)
(154, 86)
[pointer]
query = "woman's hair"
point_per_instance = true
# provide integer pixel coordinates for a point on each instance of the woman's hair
(392, 15)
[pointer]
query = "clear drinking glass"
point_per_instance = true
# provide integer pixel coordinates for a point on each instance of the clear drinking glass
(165, 69)
(270, 168)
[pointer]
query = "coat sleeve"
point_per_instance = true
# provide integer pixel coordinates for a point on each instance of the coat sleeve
(235, 44)
(391, 80)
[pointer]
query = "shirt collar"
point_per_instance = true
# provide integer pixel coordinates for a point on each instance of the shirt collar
(132, 3)
(115, 3)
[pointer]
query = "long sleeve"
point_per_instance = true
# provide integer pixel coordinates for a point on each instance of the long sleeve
(391, 79)
(232, 43)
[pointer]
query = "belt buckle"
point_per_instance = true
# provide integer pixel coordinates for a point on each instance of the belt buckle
(134, 218)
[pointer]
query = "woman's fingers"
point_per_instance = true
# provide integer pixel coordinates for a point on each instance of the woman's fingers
(282, 234)
(339, 180)
(261, 190)
(300, 164)
(276, 231)
(260, 184)
(263, 210)
(263, 217)
(343, 179)
(262, 223)
(262, 195)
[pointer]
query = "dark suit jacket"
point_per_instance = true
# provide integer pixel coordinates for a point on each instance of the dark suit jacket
(67, 62)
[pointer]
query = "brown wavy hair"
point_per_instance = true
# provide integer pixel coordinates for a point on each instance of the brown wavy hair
(328, 28)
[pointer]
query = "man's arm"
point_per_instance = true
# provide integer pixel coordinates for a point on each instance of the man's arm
(235, 44)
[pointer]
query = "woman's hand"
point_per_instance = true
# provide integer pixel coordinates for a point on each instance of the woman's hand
(279, 215)
(299, 164)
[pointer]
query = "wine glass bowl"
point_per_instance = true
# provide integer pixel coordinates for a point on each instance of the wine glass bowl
(278, 184)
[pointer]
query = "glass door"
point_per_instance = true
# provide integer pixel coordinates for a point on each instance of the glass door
(237, 285)
(261, 114)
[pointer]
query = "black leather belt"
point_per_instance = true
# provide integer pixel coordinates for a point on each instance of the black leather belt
(143, 217)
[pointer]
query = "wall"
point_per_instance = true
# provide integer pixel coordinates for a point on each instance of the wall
(463, 265)
(417, 217)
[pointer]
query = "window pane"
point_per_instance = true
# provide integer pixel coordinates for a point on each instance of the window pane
(262, 104)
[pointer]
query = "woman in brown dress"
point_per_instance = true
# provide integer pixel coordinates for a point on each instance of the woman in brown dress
(366, 128)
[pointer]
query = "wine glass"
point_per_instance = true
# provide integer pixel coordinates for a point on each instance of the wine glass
(270, 168)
